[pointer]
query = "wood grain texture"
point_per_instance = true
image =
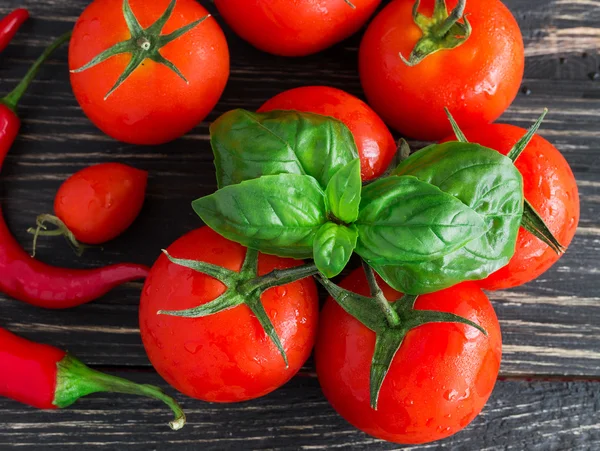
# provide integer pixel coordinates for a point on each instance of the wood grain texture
(519, 415)
(551, 327)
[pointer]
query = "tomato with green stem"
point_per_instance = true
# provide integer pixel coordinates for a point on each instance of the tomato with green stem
(295, 28)
(95, 205)
(147, 72)
(375, 144)
(407, 369)
(223, 323)
(410, 48)
(549, 186)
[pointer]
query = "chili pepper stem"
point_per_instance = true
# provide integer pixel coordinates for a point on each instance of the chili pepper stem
(75, 380)
(12, 99)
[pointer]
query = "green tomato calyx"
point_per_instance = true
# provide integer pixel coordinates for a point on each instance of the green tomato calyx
(145, 43)
(391, 322)
(243, 287)
(442, 31)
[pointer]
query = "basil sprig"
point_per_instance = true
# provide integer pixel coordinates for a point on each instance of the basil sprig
(249, 145)
(403, 219)
(481, 179)
(276, 214)
(333, 247)
(290, 186)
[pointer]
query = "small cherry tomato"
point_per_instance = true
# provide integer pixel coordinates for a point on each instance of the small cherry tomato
(549, 185)
(477, 80)
(376, 145)
(439, 379)
(226, 356)
(96, 204)
(147, 72)
(295, 28)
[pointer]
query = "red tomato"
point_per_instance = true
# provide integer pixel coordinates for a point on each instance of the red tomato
(376, 145)
(225, 357)
(298, 27)
(477, 81)
(100, 202)
(549, 185)
(154, 104)
(439, 380)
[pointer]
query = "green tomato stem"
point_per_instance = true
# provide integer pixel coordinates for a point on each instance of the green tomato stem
(387, 309)
(278, 277)
(442, 31)
(60, 230)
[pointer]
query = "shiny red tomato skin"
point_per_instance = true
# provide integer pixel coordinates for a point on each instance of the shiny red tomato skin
(549, 185)
(375, 143)
(476, 81)
(295, 27)
(153, 105)
(101, 201)
(439, 380)
(225, 357)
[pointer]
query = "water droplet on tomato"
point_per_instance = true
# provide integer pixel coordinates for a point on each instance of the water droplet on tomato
(572, 221)
(273, 314)
(281, 291)
(408, 402)
(192, 346)
(448, 416)
(86, 37)
(157, 342)
(466, 420)
(465, 395)
(451, 395)
(429, 422)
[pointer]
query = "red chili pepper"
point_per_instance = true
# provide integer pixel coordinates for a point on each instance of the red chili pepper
(46, 377)
(30, 280)
(10, 24)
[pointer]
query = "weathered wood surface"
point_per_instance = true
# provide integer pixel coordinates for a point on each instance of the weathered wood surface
(551, 327)
(519, 416)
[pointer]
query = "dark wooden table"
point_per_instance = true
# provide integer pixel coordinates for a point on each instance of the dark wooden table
(548, 394)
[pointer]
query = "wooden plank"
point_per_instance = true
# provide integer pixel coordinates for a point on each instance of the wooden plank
(520, 415)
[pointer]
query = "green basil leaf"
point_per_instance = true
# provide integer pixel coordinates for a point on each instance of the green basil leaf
(343, 192)
(248, 145)
(403, 219)
(482, 179)
(333, 248)
(276, 214)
